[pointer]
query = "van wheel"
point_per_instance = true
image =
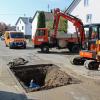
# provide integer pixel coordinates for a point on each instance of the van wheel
(10, 47)
(45, 48)
(6, 45)
(24, 47)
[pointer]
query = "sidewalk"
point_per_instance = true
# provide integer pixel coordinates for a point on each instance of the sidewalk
(9, 89)
(9, 93)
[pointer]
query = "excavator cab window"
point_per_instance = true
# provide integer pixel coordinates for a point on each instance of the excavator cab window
(99, 32)
(86, 30)
(94, 33)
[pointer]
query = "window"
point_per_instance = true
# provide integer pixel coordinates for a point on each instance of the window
(89, 18)
(18, 28)
(94, 34)
(22, 27)
(86, 2)
(16, 35)
(99, 32)
(86, 32)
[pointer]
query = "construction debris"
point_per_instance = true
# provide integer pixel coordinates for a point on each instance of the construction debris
(17, 62)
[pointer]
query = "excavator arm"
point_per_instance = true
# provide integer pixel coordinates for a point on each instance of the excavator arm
(76, 22)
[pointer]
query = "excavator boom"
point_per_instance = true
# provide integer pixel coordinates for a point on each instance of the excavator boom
(76, 22)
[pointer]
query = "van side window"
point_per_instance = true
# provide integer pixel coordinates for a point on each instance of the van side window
(7, 35)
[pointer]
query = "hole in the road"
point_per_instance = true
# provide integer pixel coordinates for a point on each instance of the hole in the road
(40, 77)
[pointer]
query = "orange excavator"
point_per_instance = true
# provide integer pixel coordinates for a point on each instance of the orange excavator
(46, 41)
(90, 57)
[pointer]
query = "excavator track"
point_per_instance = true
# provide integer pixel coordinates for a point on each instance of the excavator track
(91, 64)
(77, 61)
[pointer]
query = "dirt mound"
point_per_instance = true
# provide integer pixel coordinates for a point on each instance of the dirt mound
(56, 77)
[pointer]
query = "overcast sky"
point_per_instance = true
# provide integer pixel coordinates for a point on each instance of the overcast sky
(11, 10)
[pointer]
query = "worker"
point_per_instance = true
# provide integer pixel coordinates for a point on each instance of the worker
(94, 35)
(33, 84)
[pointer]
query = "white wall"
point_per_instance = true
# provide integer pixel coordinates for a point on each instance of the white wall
(81, 12)
(20, 24)
(27, 27)
(34, 25)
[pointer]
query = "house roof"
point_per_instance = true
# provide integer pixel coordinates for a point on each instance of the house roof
(48, 15)
(24, 19)
(72, 6)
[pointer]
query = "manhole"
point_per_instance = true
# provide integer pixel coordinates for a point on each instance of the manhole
(40, 77)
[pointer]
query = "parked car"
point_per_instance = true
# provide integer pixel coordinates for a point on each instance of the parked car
(15, 39)
(2, 37)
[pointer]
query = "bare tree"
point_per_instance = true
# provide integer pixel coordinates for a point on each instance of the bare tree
(4, 27)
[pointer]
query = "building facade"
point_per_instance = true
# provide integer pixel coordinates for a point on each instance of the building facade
(86, 10)
(24, 24)
(48, 16)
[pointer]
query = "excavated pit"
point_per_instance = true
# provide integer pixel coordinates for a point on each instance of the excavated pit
(47, 76)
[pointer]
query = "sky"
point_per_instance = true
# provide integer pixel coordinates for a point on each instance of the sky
(11, 10)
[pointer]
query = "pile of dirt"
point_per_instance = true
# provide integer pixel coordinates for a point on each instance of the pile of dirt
(56, 77)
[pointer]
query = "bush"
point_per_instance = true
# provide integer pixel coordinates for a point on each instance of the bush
(62, 26)
(41, 20)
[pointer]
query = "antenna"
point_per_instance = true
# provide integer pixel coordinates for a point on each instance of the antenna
(24, 15)
(48, 7)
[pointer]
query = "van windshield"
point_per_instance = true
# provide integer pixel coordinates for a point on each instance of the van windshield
(17, 35)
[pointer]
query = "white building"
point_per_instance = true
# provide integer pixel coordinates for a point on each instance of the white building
(24, 24)
(86, 10)
(48, 16)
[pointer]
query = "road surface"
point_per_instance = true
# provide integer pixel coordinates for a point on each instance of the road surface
(87, 89)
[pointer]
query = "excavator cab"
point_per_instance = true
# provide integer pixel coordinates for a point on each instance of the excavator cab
(90, 57)
(93, 36)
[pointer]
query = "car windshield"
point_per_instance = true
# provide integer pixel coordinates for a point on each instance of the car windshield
(17, 35)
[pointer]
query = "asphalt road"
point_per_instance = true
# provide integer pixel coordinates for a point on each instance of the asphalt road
(88, 89)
